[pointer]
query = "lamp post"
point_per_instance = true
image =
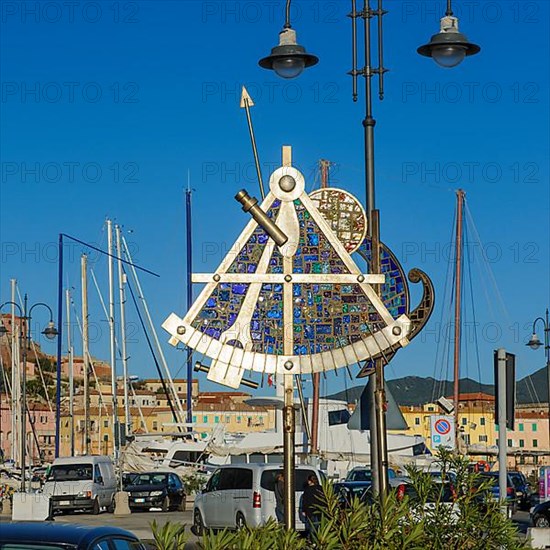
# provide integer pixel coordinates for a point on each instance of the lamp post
(49, 332)
(448, 48)
(534, 343)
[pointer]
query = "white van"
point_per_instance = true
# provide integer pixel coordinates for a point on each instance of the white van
(81, 483)
(244, 494)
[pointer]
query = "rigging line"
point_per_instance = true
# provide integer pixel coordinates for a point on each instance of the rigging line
(439, 385)
(476, 341)
(437, 353)
(162, 381)
(91, 360)
(111, 255)
(529, 376)
(464, 349)
(37, 360)
(489, 271)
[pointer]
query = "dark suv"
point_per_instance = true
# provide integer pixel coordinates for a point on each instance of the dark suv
(155, 490)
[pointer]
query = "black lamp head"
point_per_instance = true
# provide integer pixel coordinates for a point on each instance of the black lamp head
(448, 48)
(288, 59)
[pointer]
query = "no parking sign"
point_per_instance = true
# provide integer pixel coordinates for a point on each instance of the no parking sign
(442, 430)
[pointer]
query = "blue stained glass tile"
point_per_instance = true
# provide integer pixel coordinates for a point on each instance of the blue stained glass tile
(256, 335)
(252, 268)
(274, 314)
(346, 318)
(262, 238)
(255, 325)
(308, 331)
(402, 310)
(297, 312)
(239, 288)
(211, 302)
(297, 290)
(324, 329)
(312, 239)
(277, 288)
(214, 332)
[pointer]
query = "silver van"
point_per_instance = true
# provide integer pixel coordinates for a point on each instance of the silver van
(81, 483)
(244, 494)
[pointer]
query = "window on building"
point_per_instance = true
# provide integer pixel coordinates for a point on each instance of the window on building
(467, 439)
(464, 421)
(510, 443)
(417, 421)
(205, 419)
(482, 421)
(105, 423)
(238, 419)
(535, 443)
(194, 418)
(521, 443)
(534, 427)
(227, 419)
(155, 425)
(521, 427)
(431, 409)
(216, 420)
(261, 420)
(483, 439)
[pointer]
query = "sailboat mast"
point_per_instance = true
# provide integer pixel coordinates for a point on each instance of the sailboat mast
(70, 365)
(112, 338)
(458, 302)
(14, 373)
(324, 166)
(122, 298)
(85, 352)
(189, 300)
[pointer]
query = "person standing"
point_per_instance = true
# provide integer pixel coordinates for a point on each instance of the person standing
(280, 497)
(313, 499)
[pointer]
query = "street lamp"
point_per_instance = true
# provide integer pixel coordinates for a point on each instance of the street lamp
(448, 49)
(50, 332)
(288, 59)
(535, 344)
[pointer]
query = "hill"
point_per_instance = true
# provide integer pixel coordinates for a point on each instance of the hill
(416, 390)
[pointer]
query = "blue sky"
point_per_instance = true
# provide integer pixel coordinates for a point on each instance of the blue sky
(106, 106)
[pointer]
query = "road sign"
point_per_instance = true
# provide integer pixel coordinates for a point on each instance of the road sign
(442, 431)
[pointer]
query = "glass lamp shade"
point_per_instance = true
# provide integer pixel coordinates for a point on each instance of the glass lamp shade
(448, 55)
(289, 67)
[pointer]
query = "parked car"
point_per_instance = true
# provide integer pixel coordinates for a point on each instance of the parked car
(237, 495)
(523, 491)
(156, 490)
(346, 491)
(66, 536)
(540, 514)
(81, 483)
(362, 473)
(493, 492)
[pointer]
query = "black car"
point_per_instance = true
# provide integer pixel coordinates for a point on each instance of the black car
(540, 515)
(156, 490)
(523, 491)
(51, 536)
(346, 491)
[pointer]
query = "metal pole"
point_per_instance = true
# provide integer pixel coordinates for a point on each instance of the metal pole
(547, 351)
(59, 345)
(189, 250)
(122, 298)
(458, 307)
(288, 448)
(85, 353)
(114, 413)
(71, 373)
(23, 408)
(15, 344)
(502, 443)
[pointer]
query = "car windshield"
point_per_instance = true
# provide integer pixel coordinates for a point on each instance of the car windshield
(149, 479)
(70, 472)
(33, 546)
(359, 475)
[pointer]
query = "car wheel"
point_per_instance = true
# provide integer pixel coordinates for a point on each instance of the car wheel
(240, 521)
(95, 507)
(165, 504)
(198, 525)
(181, 505)
(111, 507)
(541, 521)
